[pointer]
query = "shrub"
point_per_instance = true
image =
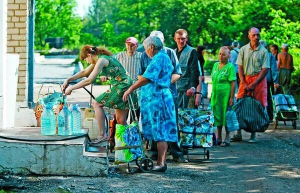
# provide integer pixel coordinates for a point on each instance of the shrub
(208, 65)
(295, 83)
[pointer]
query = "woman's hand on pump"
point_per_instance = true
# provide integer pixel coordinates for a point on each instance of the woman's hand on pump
(65, 85)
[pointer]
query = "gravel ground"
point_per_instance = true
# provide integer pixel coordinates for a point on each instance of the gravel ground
(270, 165)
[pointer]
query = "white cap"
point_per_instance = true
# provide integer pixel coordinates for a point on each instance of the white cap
(284, 46)
(159, 34)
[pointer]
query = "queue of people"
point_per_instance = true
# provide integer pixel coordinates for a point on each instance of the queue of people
(167, 79)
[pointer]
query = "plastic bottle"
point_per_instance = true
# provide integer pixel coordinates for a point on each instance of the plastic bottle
(235, 121)
(65, 122)
(48, 121)
(231, 120)
(76, 114)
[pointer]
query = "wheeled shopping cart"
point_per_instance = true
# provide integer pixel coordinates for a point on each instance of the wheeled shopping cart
(129, 144)
(285, 108)
(196, 130)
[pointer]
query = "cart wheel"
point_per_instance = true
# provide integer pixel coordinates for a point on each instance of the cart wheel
(295, 124)
(146, 165)
(207, 154)
(275, 124)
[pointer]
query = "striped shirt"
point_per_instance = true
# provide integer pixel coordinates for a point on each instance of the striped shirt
(130, 63)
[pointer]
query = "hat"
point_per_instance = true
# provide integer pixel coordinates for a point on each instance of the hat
(284, 46)
(132, 40)
(159, 34)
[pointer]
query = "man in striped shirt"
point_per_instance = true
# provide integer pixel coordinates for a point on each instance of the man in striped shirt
(130, 58)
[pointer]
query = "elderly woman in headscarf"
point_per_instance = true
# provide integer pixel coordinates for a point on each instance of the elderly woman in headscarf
(223, 87)
(157, 106)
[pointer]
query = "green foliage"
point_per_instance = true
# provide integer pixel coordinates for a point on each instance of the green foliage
(282, 30)
(208, 65)
(295, 83)
(3, 191)
(55, 18)
(212, 23)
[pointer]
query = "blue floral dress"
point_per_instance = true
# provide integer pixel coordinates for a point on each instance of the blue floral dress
(157, 105)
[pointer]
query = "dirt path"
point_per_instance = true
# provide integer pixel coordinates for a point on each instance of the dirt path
(270, 165)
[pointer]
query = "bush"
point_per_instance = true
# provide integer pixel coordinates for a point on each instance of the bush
(295, 83)
(208, 65)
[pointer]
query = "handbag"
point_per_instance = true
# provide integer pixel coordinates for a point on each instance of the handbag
(251, 115)
(128, 140)
(231, 120)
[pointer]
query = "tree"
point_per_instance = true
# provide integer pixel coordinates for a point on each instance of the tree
(55, 18)
(282, 30)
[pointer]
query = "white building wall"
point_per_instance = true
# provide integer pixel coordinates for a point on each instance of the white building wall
(3, 50)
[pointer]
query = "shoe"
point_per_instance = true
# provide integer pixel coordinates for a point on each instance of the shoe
(157, 168)
(99, 140)
(219, 142)
(181, 159)
(225, 144)
(252, 138)
(236, 137)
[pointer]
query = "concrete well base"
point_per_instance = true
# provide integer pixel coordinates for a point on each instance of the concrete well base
(25, 151)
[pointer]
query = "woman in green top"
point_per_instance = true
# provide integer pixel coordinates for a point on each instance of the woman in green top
(101, 60)
(223, 86)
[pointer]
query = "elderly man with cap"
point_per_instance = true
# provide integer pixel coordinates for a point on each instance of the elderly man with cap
(285, 67)
(145, 61)
(130, 58)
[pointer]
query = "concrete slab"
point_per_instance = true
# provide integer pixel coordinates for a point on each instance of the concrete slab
(25, 151)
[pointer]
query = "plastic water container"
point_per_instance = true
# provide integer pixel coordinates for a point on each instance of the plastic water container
(92, 125)
(231, 120)
(65, 122)
(76, 114)
(48, 121)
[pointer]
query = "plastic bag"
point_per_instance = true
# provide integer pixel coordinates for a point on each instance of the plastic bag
(251, 115)
(128, 143)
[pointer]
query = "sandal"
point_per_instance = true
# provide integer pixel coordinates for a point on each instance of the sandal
(225, 144)
(99, 139)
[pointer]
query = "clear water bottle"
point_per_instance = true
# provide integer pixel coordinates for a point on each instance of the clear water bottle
(48, 121)
(65, 122)
(231, 120)
(235, 121)
(76, 114)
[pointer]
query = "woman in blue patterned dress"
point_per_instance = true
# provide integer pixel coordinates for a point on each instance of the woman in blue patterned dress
(157, 106)
(101, 60)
